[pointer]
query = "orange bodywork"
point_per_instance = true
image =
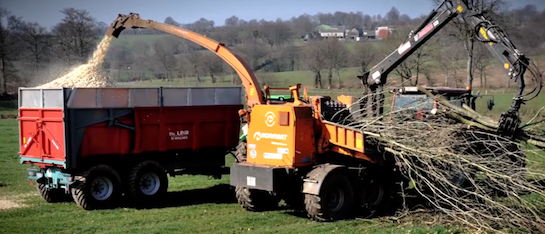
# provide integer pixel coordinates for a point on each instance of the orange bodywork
(281, 135)
(344, 140)
(291, 135)
(287, 134)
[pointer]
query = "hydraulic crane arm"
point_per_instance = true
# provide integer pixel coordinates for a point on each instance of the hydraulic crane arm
(497, 41)
(254, 95)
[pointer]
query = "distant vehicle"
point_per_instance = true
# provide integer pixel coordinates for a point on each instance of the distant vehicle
(287, 98)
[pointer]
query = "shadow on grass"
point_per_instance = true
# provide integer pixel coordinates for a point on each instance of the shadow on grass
(218, 194)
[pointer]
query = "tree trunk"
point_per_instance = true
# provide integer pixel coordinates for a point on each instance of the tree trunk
(293, 64)
(212, 78)
(339, 78)
(330, 78)
(316, 79)
(481, 76)
(4, 75)
(319, 80)
(469, 47)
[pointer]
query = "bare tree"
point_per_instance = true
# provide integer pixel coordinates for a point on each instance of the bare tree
(466, 34)
(481, 64)
(8, 47)
(101, 28)
(141, 52)
(165, 59)
(336, 56)
(121, 59)
(448, 57)
(416, 64)
(276, 33)
(254, 53)
(213, 65)
(392, 17)
(35, 39)
(364, 54)
(232, 21)
(302, 25)
(290, 53)
(315, 61)
(171, 21)
(76, 35)
(194, 58)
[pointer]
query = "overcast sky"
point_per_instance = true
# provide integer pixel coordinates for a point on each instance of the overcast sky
(46, 12)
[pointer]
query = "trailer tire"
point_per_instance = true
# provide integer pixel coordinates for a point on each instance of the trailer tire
(51, 195)
(256, 200)
(156, 181)
(334, 202)
(242, 152)
(107, 183)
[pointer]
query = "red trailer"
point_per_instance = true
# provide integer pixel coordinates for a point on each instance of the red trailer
(100, 143)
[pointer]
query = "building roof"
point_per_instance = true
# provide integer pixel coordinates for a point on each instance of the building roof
(332, 31)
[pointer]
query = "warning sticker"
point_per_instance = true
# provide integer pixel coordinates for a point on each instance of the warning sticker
(272, 156)
(250, 181)
(283, 151)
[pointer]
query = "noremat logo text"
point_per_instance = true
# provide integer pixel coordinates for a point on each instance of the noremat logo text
(273, 136)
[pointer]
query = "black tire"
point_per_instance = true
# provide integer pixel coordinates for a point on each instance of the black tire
(320, 207)
(377, 196)
(295, 201)
(147, 182)
(256, 200)
(241, 154)
(99, 177)
(51, 195)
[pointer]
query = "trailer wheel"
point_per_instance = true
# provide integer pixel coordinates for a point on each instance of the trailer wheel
(242, 152)
(256, 200)
(334, 201)
(51, 195)
(100, 189)
(148, 181)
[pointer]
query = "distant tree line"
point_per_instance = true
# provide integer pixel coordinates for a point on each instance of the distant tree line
(31, 53)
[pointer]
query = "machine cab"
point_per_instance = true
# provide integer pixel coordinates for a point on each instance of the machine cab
(410, 102)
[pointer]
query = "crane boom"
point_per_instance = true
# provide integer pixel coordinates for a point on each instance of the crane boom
(254, 95)
(496, 39)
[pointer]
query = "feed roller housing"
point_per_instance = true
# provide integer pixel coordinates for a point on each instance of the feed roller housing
(62, 126)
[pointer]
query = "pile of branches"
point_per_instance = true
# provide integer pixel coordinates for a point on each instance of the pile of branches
(456, 161)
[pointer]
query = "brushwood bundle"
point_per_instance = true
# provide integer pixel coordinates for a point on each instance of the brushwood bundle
(456, 162)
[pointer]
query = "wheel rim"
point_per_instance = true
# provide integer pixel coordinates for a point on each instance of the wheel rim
(102, 188)
(149, 183)
(336, 199)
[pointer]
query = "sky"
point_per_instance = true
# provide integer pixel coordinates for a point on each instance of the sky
(47, 12)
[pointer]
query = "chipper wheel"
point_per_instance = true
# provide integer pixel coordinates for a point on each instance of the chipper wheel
(52, 195)
(148, 181)
(100, 188)
(256, 200)
(335, 199)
